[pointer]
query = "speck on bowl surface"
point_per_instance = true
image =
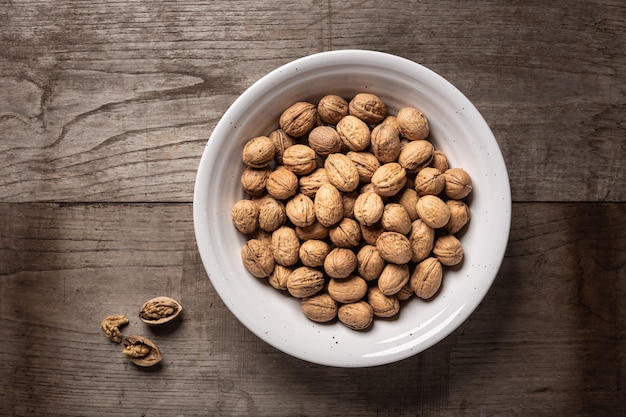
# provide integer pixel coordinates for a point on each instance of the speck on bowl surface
(457, 128)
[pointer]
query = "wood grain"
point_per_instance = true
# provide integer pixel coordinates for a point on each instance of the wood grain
(115, 101)
(547, 340)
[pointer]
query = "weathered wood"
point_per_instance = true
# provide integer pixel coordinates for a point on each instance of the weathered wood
(547, 340)
(115, 101)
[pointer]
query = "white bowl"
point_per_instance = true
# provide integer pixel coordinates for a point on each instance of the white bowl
(457, 129)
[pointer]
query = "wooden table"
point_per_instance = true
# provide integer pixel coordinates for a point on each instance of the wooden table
(105, 110)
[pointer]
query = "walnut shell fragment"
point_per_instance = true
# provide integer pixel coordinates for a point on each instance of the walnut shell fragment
(160, 310)
(141, 351)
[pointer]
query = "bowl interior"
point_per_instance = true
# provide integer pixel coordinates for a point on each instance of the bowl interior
(457, 129)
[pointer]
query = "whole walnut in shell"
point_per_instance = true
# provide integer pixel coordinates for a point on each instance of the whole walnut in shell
(354, 133)
(281, 184)
(426, 278)
(448, 250)
(383, 305)
(341, 172)
(368, 107)
(389, 179)
(394, 247)
(298, 119)
(257, 258)
(313, 252)
(369, 262)
(340, 263)
(347, 290)
(258, 152)
(356, 316)
(458, 183)
(332, 108)
(412, 123)
(325, 140)
(320, 308)
(245, 216)
(305, 282)
(300, 210)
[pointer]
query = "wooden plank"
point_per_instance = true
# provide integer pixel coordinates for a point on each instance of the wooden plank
(115, 101)
(547, 340)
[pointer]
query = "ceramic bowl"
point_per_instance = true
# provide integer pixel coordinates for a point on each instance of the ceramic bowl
(457, 128)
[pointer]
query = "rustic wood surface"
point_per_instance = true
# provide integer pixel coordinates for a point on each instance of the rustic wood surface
(105, 110)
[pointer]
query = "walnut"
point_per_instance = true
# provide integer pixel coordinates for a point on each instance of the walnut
(393, 277)
(325, 140)
(422, 240)
(383, 305)
(320, 308)
(300, 210)
(328, 205)
(160, 310)
(341, 172)
(395, 219)
(345, 234)
(368, 107)
(389, 179)
(298, 119)
(369, 262)
(281, 184)
(426, 278)
(300, 159)
(257, 258)
(412, 123)
(459, 216)
(141, 351)
(279, 277)
(416, 155)
(285, 246)
(390, 120)
(429, 181)
(253, 180)
(332, 108)
(258, 152)
(408, 198)
(433, 211)
(366, 164)
(281, 142)
(448, 250)
(309, 184)
(340, 263)
(356, 316)
(272, 214)
(111, 327)
(305, 281)
(354, 133)
(368, 208)
(385, 143)
(394, 247)
(347, 290)
(439, 161)
(314, 231)
(405, 293)
(458, 183)
(313, 252)
(370, 233)
(348, 203)
(245, 216)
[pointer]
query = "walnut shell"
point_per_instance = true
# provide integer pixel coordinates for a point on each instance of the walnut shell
(368, 208)
(369, 262)
(393, 277)
(347, 290)
(426, 278)
(389, 179)
(285, 246)
(332, 108)
(281, 142)
(340, 263)
(341, 172)
(298, 119)
(448, 250)
(422, 240)
(320, 308)
(356, 316)
(366, 164)
(309, 184)
(433, 211)
(408, 198)
(278, 279)
(314, 231)
(348, 203)
(354, 133)
(439, 161)
(368, 107)
(458, 183)
(385, 143)
(300, 210)
(253, 180)
(345, 234)
(313, 252)
(328, 205)
(245, 216)
(281, 184)
(141, 351)
(429, 180)
(160, 310)
(405, 293)
(257, 258)
(412, 123)
(459, 216)
(416, 155)
(272, 214)
(395, 219)
(394, 247)
(305, 281)
(383, 305)
(371, 233)
(258, 152)
(300, 159)
(325, 140)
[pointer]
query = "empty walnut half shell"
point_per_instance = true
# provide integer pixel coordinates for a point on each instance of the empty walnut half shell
(141, 351)
(160, 310)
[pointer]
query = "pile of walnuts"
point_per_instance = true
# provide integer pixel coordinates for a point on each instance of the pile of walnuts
(351, 210)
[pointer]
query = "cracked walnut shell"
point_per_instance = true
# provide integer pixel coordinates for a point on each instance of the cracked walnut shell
(160, 310)
(141, 351)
